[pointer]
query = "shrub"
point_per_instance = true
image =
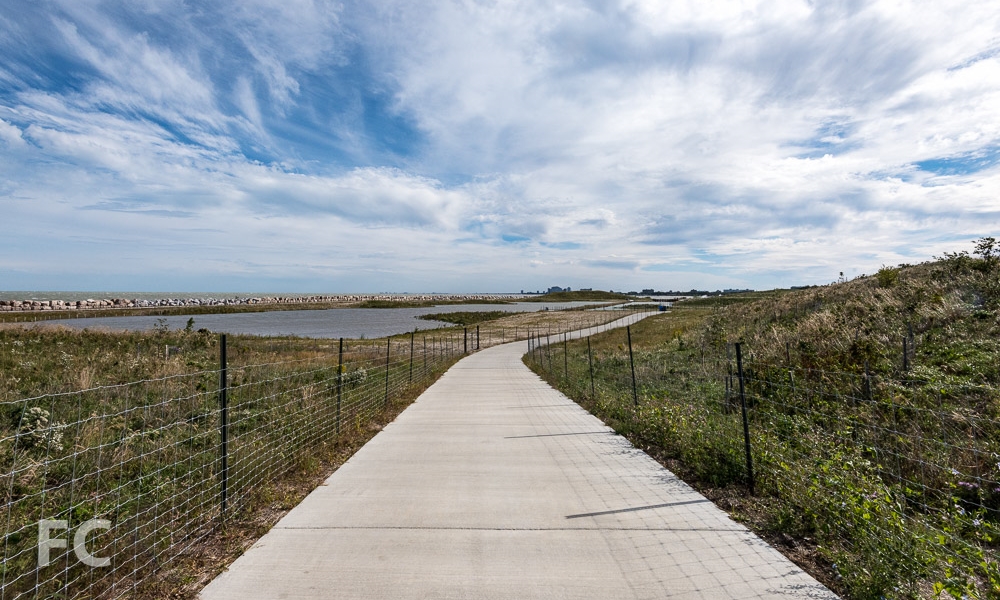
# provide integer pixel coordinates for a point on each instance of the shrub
(887, 276)
(35, 430)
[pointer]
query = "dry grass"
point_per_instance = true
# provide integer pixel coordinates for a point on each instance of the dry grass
(883, 481)
(97, 424)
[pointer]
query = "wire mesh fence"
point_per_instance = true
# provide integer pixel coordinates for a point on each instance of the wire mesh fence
(894, 477)
(106, 484)
(149, 468)
(143, 458)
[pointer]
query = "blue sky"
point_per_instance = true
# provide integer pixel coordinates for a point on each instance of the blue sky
(476, 145)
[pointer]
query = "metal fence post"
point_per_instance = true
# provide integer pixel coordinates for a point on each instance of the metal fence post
(868, 382)
(730, 393)
(477, 337)
(565, 358)
(223, 424)
(388, 348)
(590, 360)
(465, 341)
(746, 422)
(411, 355)
(340, 382)
(631, 362)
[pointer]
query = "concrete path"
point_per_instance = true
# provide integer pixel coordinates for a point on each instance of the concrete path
(494, 485)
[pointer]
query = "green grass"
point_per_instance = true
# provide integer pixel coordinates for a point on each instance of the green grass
(125, 426)
(467, 317)
(107, 425)
(728, 299)
(160, 311)
(595, 295)
(888, 483)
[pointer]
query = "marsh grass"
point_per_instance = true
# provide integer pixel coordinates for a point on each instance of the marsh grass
(580, 296)
(138, 445)
(466, 317)
(124, 426)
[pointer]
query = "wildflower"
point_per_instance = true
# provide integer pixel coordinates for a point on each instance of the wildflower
(36, 429)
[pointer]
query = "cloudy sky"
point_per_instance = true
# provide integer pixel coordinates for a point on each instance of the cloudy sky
(480, 145)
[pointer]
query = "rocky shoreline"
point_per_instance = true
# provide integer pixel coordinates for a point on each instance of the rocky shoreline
(126, 303)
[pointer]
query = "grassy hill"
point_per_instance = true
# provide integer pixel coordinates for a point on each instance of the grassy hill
(876, 470)
(946, 311)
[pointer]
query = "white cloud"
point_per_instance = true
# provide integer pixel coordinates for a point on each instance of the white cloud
(247, 101)
(137, 75)
(613, 143)
(11, 135)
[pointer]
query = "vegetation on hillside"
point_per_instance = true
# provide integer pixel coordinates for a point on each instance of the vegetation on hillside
(946, 310)
(877, 469)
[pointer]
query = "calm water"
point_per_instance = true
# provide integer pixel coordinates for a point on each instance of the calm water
(331, 323)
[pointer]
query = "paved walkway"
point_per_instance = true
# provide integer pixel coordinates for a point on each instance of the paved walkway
(494, 485)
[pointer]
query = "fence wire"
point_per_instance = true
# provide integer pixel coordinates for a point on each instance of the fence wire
(132, 472)
(894, 478)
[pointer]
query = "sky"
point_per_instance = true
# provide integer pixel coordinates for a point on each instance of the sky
(489, 146)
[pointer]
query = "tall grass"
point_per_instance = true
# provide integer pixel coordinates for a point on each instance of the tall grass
(145, 454)
(125, 427)
(881, 470)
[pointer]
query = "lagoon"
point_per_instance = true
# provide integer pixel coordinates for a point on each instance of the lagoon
(328, 323)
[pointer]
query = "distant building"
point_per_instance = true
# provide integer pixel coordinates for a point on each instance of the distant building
(555, 289)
